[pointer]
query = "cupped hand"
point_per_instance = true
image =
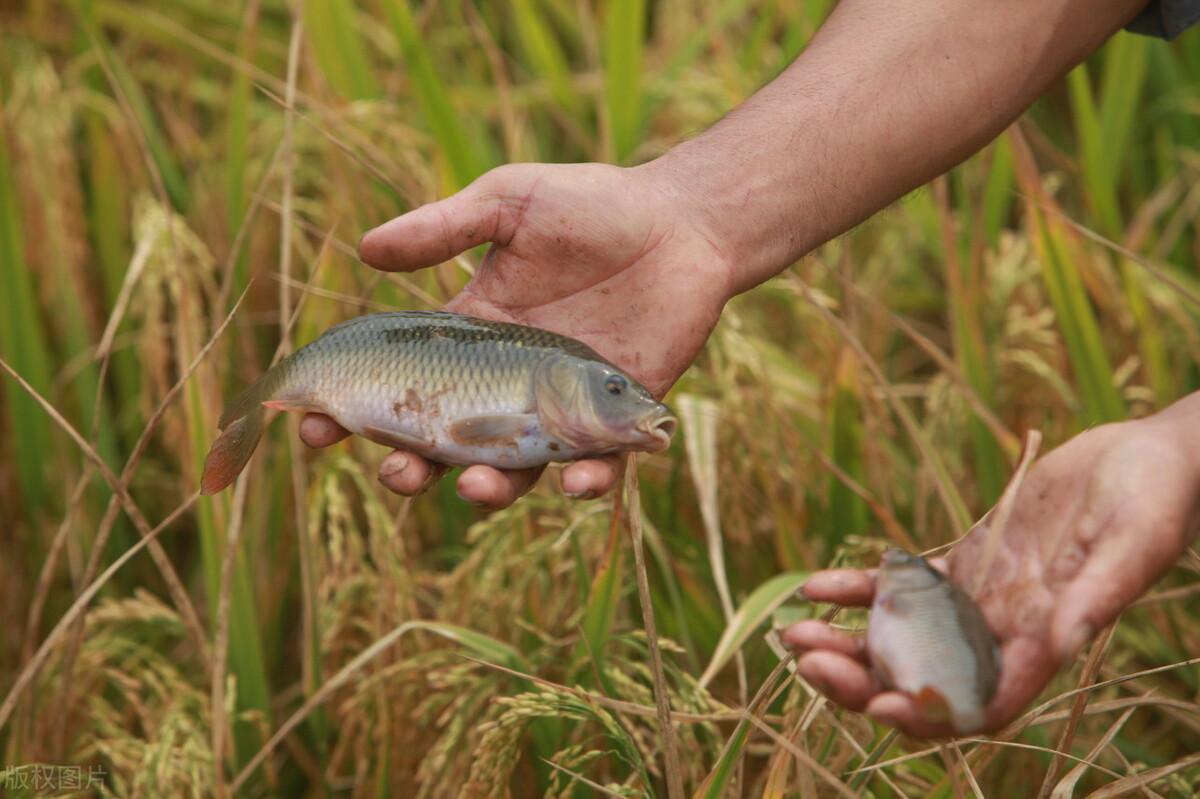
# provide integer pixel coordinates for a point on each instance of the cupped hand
(1095, 523)
(613, 257)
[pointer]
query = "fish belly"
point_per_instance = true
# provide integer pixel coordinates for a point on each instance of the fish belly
(421, 419)
(923, 652)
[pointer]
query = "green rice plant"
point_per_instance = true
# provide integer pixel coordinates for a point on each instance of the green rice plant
(22, 340)
(461, 152)
(340, 50)
(622, 30)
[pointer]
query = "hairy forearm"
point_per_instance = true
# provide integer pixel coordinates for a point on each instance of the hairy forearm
(885, 97)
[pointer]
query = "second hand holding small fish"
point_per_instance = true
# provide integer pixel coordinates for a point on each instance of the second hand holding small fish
(455, 389)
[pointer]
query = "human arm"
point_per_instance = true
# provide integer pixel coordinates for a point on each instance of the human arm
(639, 262)
(1095, 523)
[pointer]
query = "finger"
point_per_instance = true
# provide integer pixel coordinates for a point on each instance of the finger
(844, 680)
(318, 430)
(811, 635)
(842, 586)
(588, 479)
(1026, 666)
(493, 488)
(486, 210)
(1117, 572)
(409, 474)
(899, 710)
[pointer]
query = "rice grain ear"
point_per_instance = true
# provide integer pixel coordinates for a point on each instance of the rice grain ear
(231, 451)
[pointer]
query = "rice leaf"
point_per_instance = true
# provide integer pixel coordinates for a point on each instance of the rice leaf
(756, 609)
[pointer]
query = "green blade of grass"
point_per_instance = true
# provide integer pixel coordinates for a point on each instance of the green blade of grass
(444, 123)
(22, 343)
(546, 56)
(621, 47)
(757, 608)
(847, 511)
(156, 141)
(340, 50)
(600, 611)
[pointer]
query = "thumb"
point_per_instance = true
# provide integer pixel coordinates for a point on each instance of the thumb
(486, 210)
(1122, 566)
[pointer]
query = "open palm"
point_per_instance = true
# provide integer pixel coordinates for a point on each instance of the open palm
(1095, 523)
(602, 254)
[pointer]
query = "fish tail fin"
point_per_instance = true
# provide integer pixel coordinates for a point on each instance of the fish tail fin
(241, 428)
(232, 450)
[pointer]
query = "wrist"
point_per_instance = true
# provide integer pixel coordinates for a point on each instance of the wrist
(1180, 424)
(714, 202)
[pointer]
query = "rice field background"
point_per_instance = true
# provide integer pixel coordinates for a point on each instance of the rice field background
(182, 185)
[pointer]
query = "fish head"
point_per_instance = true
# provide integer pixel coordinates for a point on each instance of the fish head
(905, 571)
(592, 405)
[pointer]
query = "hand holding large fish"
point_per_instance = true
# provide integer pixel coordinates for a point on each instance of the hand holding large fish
(454, 389)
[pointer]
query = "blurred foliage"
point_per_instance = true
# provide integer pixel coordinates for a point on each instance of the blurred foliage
(147, 158)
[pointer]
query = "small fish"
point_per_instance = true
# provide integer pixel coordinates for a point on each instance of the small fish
(453, 388)
(926, 637)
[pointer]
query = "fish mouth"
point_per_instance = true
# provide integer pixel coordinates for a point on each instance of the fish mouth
(660, 429)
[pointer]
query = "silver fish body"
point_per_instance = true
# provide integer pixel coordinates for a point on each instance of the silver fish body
(453, 388)
(926, 637)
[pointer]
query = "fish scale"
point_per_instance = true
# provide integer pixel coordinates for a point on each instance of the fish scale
(454, 388)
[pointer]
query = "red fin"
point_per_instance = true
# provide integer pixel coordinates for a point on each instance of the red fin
(231, 451)
(932, 704)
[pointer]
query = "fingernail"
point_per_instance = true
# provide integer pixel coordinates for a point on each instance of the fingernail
(358, 247)
(886, 719)
(588, 494)
(1076, 639)
(393, 465)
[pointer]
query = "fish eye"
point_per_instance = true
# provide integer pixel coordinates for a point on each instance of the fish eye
(615, 384)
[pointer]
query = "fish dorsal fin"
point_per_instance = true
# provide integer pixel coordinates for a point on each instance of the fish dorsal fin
(496, 430)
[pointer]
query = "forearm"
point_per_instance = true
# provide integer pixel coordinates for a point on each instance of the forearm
(885, 97)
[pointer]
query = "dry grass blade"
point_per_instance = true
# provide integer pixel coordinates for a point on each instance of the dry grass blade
(221, 637)
(662, 700)
(804, 758)
(1095, 657)
(982, 743)
(178, 594)
(1155, 270)
(699, 417)
(962, 763)
(78, 606)
(1136, 782)
(1004, 507)
(1007, 439)
(952, 501)
(595, 786)
(110, 513)
(1065, 788)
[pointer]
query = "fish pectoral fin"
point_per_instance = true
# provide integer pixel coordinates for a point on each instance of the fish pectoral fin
(499, 430)
(392, 438)
(932, 704)
(305, 406)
